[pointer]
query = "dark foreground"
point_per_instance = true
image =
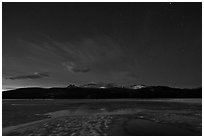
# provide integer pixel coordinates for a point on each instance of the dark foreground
(125, 117)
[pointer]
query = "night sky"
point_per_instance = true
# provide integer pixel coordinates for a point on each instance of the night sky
(55, 44)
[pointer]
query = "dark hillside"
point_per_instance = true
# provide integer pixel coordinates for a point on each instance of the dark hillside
(97, 93)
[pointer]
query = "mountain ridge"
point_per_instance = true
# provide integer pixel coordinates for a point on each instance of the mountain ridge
(80, 92)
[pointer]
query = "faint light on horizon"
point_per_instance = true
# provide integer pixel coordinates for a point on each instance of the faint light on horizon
(15, 87)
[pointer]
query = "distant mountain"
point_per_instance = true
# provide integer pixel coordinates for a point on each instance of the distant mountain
(99, 85)
(72, 86)
(137, 86)
(96, 91)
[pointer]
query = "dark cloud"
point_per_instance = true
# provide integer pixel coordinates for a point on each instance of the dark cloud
(72, 67)
(36, 75)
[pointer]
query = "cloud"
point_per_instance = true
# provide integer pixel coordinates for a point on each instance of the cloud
(72, 67)
(36, 75)
(101, 54)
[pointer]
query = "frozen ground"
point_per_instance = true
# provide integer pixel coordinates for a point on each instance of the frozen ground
(103, 117)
